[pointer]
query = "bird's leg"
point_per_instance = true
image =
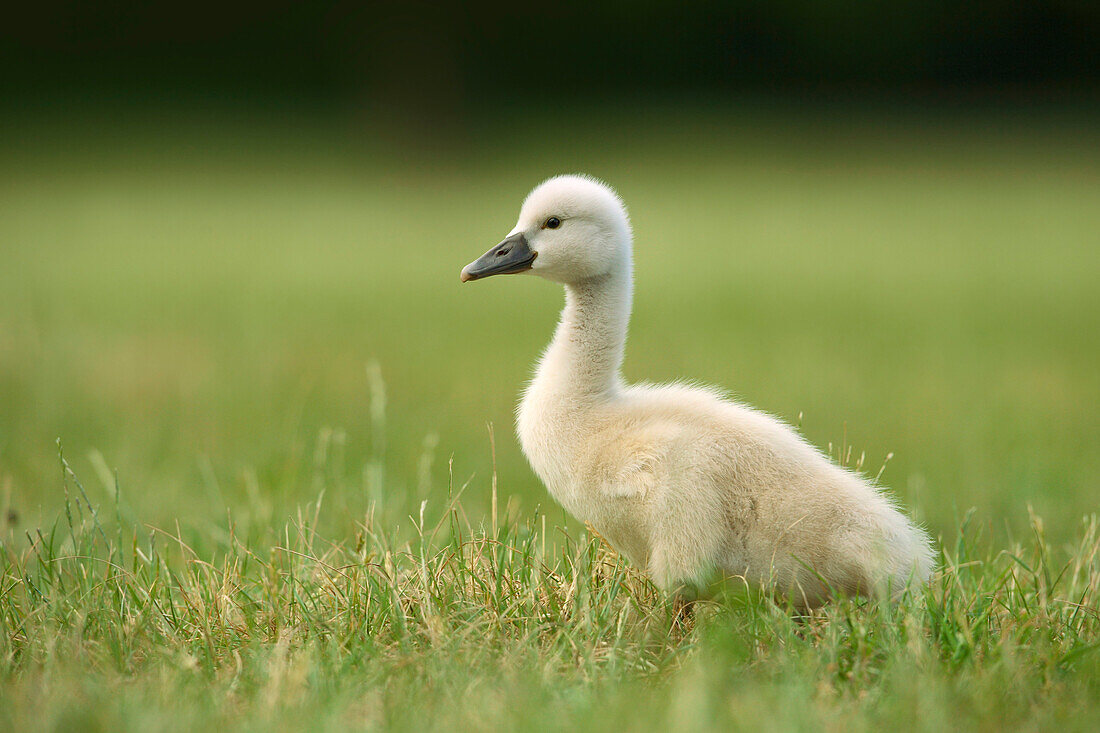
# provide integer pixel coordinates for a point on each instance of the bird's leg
(683, 610)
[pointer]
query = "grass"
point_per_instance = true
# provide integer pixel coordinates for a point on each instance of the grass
(111, 626)
(251, 341)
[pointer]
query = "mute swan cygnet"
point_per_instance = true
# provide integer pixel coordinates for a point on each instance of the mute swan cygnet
(684, 483)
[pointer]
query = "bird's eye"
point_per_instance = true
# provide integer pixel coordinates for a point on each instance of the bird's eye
(553, 222)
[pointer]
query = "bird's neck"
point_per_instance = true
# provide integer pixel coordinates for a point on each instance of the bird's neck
(586, 355)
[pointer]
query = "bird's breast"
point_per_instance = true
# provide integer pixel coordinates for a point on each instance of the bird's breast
(553, 439)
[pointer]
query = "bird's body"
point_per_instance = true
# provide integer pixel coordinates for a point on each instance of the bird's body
(684, 483)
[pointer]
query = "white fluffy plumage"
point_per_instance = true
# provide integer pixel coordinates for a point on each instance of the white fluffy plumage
(684, 483)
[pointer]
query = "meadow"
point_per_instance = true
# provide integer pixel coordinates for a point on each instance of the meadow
(257, 465)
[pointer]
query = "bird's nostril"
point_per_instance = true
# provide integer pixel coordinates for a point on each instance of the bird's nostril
(504, 251)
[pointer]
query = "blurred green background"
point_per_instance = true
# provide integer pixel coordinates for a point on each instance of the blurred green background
(223, 229)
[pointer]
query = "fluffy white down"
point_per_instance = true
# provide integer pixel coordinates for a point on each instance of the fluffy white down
(683, 482)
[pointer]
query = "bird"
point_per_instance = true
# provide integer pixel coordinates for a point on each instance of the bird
(685, 483)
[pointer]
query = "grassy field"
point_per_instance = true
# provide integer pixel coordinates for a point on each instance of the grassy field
(250, 339)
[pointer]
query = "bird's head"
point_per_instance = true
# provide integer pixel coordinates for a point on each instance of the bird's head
(570, 229)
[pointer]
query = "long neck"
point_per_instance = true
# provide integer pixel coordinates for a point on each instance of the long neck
(586, 354)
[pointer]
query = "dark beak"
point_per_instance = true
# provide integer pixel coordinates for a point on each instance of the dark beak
(510, 256)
